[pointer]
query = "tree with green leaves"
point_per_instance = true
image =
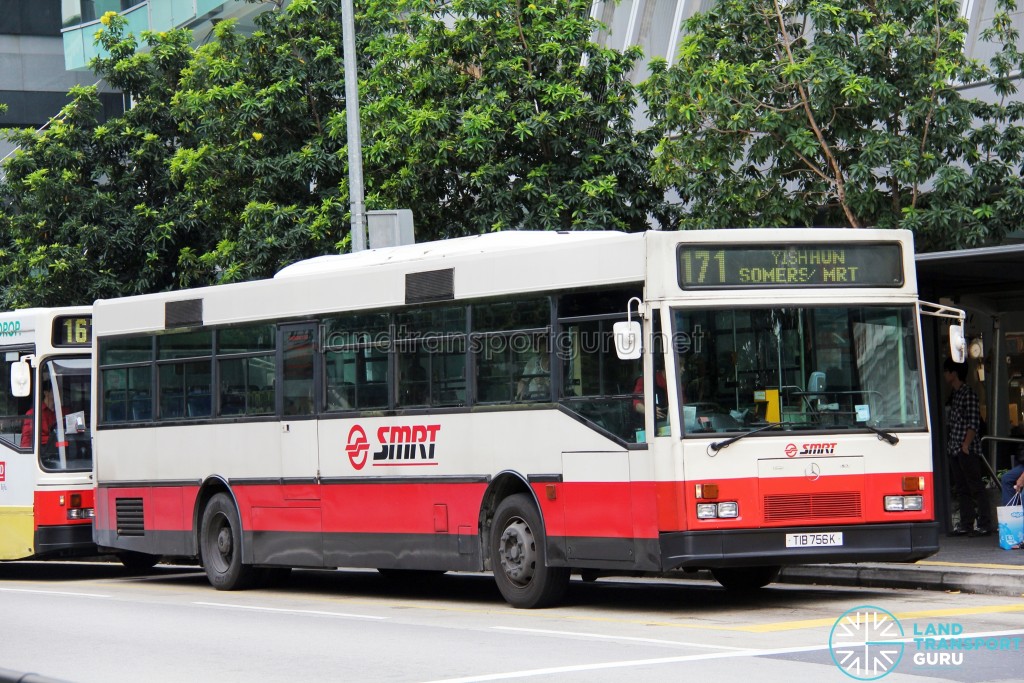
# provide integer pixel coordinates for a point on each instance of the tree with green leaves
(494, 114)
(88, 207)
(232, 160)
(840, 112)
(265, 165)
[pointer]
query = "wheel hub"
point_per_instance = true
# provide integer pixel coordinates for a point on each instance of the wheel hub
(518, 552)
(224, 541)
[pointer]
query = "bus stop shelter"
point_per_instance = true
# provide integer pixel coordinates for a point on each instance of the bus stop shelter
(988, 283)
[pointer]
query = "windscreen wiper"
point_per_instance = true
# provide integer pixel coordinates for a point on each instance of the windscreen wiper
(719, 445)
(883, 435)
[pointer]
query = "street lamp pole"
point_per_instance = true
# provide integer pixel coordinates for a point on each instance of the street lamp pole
(356, 192)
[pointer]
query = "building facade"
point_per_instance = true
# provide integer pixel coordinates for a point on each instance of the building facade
(34, 81)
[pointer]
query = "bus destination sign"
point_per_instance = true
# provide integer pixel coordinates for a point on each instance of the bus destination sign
(72, 330)
(710, 266)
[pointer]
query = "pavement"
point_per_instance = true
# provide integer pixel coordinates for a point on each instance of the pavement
(963, 564)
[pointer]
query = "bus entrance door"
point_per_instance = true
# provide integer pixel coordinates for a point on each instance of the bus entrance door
(300, 457)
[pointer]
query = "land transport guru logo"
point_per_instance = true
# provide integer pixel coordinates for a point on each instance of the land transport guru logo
(398, 446)
(866, 643)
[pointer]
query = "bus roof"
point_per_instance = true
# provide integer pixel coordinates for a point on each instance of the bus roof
(511, 263)
(33, 325)
(508, 242)
(495, 264)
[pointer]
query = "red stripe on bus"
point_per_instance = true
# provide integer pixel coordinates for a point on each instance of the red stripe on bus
(578, 509)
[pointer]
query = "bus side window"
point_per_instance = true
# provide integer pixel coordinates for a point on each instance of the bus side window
(596, 384)
(12, 411)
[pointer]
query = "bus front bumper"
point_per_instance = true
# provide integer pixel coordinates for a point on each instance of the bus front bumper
(758, 547)
(64, 540)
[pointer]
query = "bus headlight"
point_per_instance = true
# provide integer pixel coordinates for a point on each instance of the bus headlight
(707, 510)
(904, 503)
(730, 509)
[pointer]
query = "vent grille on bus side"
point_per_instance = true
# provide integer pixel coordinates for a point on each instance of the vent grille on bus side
(130, 517)
(188, 313)
(811, 505)
(433, 285)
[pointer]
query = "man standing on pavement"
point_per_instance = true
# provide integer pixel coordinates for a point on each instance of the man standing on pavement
(963, 446)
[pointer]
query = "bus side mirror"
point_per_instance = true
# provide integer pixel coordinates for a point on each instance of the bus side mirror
(957, 343)
(628, 336)
(21, 379)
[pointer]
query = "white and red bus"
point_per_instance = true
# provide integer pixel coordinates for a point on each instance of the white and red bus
(46, 484)
(460, 406)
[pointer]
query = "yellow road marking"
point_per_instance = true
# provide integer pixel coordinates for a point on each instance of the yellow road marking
(1014, 567)
(924, 614)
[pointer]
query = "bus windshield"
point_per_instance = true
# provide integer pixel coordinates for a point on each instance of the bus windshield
(66, 443)
(814, 368)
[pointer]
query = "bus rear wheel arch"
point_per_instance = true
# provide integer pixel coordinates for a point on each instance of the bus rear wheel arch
(518, 558)
(220, 545)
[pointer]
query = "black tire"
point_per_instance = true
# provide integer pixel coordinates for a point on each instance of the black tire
(220, 546)
(742, 579)
(517, 556)
(137, 563)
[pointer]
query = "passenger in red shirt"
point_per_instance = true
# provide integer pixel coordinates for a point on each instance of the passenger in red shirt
(47, 422)
(660, 395)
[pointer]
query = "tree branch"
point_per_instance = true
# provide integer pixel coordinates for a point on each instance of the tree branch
(837, 181)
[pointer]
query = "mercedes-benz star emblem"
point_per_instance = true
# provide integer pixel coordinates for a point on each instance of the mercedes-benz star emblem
(813, 472)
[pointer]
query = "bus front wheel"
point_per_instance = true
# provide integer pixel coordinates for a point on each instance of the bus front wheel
(220, 543)
(745, 578)
(136, 562)
(517, 556)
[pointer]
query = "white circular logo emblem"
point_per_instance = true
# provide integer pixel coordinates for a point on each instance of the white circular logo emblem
(865, 644)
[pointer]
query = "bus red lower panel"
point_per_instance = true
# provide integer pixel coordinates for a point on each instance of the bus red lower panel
(63, 523)
(147, 519)
(61, 507)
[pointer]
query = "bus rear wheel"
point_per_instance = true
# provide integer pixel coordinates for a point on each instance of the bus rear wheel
(745, 578)
(517, 556)
(220, 543)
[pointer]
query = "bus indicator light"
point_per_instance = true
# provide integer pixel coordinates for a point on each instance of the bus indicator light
(913, 484)
(706, 491)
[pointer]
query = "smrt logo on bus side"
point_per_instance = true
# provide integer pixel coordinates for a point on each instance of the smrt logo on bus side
(400, 445)
(3, 471)
(811, 449)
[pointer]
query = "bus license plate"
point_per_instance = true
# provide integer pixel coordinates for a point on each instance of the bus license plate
(814, 540)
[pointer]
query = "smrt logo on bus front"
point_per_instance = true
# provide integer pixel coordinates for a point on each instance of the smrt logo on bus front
(400, 446)
(828, 448)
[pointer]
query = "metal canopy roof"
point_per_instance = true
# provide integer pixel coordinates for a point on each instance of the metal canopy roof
(996, 273)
